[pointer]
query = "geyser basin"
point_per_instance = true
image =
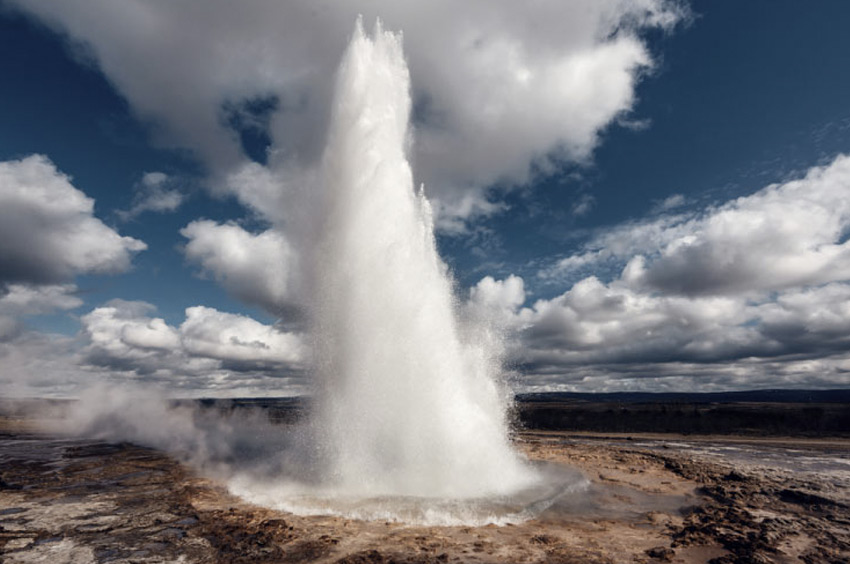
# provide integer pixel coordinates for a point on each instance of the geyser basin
(410, 415)
(556, 484)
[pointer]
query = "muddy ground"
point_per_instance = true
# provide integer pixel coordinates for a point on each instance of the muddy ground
(72, 501)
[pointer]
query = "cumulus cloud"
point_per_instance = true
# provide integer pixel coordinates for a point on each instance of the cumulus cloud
(489, 312)
(500, 89)
(121, 335)
(211, 353)
(256, 268)
(595, 322)
(21, 300)
(746, 374)
(48, 232)
(783, 236)
(153, 194)
(238, 340)
(605, 337)
(810, 319)
(209, 349)
(498, 298)
(750, 293)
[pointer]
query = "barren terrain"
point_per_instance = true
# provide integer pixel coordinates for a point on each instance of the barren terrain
(66, 500)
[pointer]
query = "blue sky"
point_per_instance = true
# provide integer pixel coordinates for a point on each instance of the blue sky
(654, 193)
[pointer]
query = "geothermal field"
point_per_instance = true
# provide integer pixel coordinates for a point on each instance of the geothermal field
(610, 498)
(411, 446)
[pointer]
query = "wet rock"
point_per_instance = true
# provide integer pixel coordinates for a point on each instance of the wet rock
(238, 541)
(572, 556)
(4, 485)
(735, 476)
(365, 557)
(663, 553)
(309, 550)
(543, 539)
(804, 498)
(19, 543)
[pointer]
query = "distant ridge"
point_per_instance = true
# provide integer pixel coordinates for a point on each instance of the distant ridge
(756, 396)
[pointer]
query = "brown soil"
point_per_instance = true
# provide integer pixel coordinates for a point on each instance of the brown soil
(81, 502)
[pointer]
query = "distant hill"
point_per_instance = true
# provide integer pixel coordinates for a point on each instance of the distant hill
(812, 413)
(752, 396)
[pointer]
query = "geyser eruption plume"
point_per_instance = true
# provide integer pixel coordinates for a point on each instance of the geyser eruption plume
(405, 407)
(409, 420)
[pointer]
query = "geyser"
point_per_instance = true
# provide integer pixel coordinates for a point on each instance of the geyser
(405, 406)
(409, 418)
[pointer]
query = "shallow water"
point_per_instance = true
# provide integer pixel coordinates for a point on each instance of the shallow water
(831, 463)
(559, 489)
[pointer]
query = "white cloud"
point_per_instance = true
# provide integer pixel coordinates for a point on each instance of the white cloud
(497, 297)
(746, 374)
(750, 293)
(20, 300)
(783, 236)
(120, 335)
(605, 337)
(153, 194)
(210, 354)
(48, 232)
(595, 322)
(810, 318)
(583, 205)
(256, 268)
(670, 203)
(210, 351)
(499, 87)
(266, 191)
(235, 338)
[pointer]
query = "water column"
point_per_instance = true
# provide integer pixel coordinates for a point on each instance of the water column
(404, 405)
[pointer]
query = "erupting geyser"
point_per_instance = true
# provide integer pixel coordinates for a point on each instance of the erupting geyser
(405, 407)
(409, 418)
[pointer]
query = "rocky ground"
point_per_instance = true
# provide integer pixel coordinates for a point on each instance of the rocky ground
(76, 501)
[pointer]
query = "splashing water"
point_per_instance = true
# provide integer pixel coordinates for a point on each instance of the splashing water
(409, 421)
(406, 409)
